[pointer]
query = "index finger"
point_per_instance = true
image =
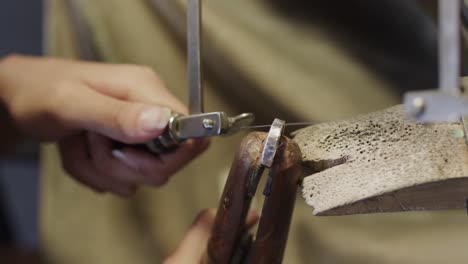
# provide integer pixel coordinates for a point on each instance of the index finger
(194, 244)
(131, 83)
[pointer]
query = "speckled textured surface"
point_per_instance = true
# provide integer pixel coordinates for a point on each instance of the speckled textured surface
(375, 154)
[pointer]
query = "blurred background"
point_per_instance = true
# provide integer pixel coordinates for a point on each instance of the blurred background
(395, 40)
(20, 32)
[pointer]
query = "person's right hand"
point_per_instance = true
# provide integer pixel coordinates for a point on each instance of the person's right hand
(84, 106)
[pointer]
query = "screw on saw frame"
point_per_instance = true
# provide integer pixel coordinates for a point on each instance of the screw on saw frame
(418, 106)
(208, 123)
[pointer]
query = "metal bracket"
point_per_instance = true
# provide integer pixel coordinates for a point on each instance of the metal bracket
(447, 104)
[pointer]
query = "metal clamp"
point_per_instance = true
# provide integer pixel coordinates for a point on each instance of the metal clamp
(204, 125)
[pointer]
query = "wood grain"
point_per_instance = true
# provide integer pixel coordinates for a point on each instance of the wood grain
(226, 244)
(383, 162)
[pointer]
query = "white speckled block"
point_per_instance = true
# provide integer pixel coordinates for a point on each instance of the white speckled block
(383, 162)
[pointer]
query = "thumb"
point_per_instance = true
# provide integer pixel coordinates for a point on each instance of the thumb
(128, 122)
(194, 244)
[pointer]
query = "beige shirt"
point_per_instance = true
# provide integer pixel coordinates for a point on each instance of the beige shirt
(255, 61)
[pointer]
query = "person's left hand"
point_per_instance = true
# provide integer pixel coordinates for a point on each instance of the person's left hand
(193, 247)
(85, 107)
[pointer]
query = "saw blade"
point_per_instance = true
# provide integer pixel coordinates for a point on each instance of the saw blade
(287, 124)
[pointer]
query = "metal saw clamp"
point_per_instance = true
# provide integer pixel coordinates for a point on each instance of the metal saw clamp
(197, 124)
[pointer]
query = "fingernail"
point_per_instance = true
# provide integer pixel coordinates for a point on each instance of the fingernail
(155, 119)
(124, 159)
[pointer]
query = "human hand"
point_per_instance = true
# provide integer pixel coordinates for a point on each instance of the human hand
(84, 106)
(193, 247)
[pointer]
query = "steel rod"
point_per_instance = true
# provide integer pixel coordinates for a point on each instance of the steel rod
(449, 46)
(194, 56)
